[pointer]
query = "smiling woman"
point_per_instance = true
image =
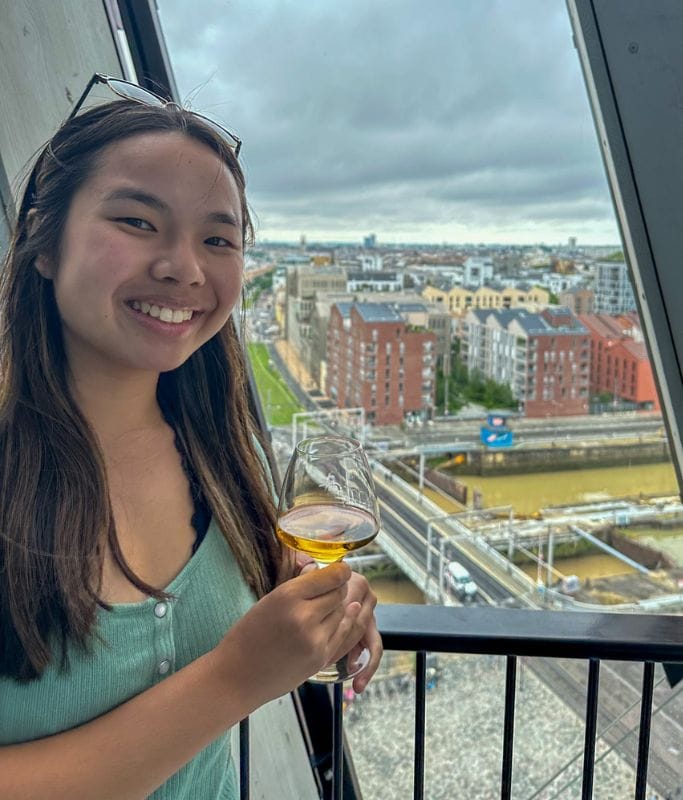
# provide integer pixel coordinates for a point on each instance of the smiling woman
(138, 563)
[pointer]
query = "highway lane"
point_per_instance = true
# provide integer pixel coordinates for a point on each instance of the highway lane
(409, 528)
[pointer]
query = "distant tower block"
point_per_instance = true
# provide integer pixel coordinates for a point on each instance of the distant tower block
(572, 242)
(302, 241)
(370, 241)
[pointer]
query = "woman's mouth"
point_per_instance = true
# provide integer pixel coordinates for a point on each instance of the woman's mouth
(163, 313)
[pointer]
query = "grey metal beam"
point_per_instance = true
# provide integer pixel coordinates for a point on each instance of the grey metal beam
(632, 64)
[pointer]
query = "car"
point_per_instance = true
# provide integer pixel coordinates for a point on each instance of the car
(460, 581)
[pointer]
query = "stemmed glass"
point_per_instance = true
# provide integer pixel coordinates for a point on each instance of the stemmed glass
(327, 509)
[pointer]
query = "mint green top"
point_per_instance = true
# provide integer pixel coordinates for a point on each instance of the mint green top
(146, 642)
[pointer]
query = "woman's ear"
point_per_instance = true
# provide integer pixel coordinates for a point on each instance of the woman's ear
(43, 266)
(42, 263)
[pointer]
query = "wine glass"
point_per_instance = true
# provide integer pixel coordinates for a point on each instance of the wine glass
(327, 509)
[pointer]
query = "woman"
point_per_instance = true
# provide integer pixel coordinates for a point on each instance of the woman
(143, 610)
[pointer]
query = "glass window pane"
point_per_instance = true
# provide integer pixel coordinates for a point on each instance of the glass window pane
(437, 164)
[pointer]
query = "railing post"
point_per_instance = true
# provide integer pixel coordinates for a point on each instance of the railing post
(644, 736)
(244, 759)
(509, 727)
(337, 740)
(420, 733)
(591, 728)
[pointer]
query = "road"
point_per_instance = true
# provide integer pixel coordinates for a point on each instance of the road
(532, 431)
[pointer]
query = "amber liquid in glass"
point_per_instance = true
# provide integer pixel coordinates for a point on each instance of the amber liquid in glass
(326, 532)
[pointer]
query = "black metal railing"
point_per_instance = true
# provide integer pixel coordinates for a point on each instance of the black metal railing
(514, 633)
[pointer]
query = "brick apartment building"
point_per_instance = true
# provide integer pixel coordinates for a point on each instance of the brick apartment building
(620, 364)
(378, 362)
(578, 301)
(544, 358)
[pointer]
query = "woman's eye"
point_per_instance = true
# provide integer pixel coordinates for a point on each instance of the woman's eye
(136, 222)
(217, 241)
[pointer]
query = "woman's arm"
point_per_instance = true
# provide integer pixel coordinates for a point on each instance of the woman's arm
(130, 751)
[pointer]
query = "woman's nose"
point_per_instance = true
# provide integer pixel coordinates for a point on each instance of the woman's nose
(179, 264)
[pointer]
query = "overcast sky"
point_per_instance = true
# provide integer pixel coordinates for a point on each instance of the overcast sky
(418, 120)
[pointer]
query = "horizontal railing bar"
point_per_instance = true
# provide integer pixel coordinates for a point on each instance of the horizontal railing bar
(519, 632)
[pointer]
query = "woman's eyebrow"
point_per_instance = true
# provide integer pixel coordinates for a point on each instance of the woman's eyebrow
(139, 196)
(223, 217)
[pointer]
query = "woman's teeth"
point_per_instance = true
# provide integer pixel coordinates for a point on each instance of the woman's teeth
(162, 312)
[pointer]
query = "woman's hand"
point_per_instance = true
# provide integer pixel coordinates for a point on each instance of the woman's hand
(292, 632)
(363, 631)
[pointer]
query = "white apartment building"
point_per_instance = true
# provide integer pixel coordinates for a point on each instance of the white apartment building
(477, 271)
(613, 292)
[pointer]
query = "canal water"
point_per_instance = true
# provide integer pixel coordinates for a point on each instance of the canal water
(598, 565)
(397, 590)
(530, 492)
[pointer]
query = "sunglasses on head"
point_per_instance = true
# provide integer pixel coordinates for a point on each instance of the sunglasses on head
(131, 91)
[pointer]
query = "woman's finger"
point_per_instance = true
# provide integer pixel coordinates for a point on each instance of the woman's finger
(373, 641)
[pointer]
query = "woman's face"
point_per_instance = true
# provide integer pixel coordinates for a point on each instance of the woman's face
(151, 260)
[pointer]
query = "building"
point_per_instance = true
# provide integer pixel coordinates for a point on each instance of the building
(432, 318)
(303, 285)
(544, 358)
(370, 262)
(477, 271)
(557, 282)
(376, 361)
(578, 301)
(613, 291)
(620, 365)
(374, 282)
(459, 299)
(313, 352)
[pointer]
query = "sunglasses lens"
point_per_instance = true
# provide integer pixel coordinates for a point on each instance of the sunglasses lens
(137, 93)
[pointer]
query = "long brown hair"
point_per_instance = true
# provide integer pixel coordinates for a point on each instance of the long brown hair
(55, 515)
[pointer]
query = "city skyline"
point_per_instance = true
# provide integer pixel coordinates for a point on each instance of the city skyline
(432, 123)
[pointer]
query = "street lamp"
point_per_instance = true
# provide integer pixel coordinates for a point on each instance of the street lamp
(431, 521)
(335, 413)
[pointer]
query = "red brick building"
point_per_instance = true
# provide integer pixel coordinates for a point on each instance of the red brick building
(378, 362)
(620, 365)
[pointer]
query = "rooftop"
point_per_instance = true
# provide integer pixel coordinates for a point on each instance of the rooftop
(377, 312)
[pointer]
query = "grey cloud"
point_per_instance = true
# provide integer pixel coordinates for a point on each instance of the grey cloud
(346, 109)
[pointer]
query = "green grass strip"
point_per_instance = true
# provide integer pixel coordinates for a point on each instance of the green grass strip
(277, 399)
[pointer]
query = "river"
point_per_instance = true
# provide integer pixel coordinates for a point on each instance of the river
(530, 492)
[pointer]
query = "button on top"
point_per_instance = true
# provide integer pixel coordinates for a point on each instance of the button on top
(164, 666)
(160, 610)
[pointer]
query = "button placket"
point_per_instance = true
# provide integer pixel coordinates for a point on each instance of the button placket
(164, 644)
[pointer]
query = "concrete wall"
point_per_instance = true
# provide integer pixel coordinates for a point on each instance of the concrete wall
(49, 52)
(552, 459)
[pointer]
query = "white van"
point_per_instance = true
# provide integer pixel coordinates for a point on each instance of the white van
(460, 581)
